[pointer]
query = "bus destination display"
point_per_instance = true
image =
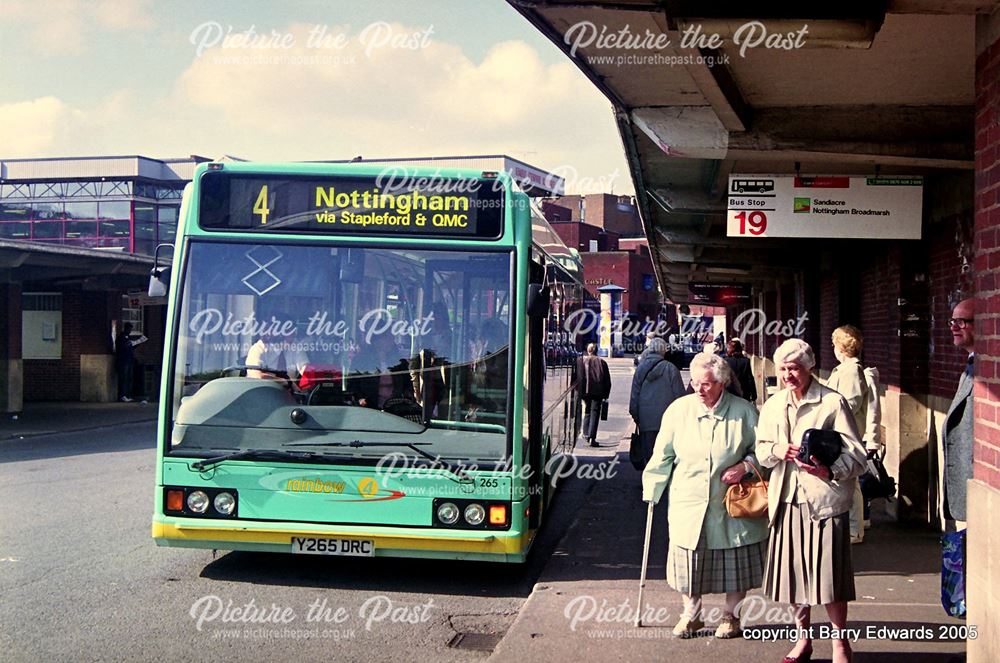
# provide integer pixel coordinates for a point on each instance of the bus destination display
(429, 207)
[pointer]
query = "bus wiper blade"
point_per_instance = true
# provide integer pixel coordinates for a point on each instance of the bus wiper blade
(413, 446)
(260, 454)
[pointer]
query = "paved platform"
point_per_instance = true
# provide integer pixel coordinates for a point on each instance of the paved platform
(47, 418)
(583, 606)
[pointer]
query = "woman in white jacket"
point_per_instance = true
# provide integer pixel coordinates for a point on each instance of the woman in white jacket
(848, 379)
(809, 550)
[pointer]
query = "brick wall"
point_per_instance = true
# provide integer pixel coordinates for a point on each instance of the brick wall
(86, 329)
(946, 282)
(875, 323)
(829, 317)
(59, 379)
(986, 451)
(625, 269)
(579, 236)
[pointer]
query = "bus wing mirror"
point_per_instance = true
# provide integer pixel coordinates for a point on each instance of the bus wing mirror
(538, 300)
(159, 277)
(159, 280)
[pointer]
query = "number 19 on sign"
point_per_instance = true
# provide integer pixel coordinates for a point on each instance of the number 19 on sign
(752, 222)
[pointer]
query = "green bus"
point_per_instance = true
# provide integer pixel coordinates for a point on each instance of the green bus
(362, 361)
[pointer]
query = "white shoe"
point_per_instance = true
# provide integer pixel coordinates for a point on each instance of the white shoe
(688, 627)
(868, 524)
(126, 399)
(856, 539)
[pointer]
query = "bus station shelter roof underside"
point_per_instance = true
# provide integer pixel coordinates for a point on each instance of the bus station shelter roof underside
(34, 265)
(883, 88)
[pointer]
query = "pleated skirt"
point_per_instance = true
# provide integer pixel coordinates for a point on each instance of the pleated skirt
(809, 562)
(703, 571)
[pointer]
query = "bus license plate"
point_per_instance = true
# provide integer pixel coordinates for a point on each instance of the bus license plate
(351, 547)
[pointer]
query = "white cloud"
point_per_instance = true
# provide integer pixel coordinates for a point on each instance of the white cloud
(66, 27)
(312, 103)
(32, 127)
(309, 103)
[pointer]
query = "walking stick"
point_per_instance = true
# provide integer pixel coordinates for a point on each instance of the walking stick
(645, 560)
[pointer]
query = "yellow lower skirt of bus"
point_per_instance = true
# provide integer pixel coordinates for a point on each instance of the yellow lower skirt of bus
(485, 546)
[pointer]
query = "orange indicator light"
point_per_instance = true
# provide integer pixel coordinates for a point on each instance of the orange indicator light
(175, 500)
(498, 515)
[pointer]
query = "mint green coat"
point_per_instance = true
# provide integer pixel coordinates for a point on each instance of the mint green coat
(692, 450)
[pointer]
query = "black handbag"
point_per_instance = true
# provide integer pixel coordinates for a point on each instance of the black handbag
(604, 410)
(825, 445)
(636, 454)
(876, 482)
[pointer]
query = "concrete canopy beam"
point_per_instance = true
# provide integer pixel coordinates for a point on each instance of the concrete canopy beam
(693, 132)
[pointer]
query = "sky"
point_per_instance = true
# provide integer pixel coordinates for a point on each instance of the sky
(306, 80)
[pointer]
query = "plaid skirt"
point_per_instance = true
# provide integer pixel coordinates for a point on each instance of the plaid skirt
(809, 562)
(703, 571)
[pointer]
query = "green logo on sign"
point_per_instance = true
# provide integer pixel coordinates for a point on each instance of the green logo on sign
(801, 205)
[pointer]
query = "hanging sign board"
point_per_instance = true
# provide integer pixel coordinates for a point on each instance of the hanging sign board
(824, 206)
(719, 293)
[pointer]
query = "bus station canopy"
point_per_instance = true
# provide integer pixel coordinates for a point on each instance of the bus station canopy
(34, 264)
(875, 89)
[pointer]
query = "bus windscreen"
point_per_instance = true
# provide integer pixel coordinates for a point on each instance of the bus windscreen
(430, 206)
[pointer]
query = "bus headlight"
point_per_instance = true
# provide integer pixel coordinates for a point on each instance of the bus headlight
(448, 513)
(224, 503)
(198, 501)
(475, 514)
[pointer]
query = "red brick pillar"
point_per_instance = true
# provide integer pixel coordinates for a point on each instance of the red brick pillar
(983, 582)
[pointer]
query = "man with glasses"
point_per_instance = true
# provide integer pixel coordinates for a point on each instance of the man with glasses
(957, 437)
(958, 424)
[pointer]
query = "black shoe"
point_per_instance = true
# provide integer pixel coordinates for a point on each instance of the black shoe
(594, 443)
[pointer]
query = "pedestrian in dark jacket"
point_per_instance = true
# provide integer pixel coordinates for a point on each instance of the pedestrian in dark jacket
(740, 364)
(655, 385)
(593, 383)
(125, 361)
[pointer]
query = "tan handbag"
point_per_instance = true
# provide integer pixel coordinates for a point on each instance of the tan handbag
(748, 499)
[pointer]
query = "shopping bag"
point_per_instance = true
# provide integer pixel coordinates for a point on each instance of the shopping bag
(953, 573)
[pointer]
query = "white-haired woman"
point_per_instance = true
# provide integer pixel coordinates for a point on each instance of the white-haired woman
(809, 551)
(705, 443)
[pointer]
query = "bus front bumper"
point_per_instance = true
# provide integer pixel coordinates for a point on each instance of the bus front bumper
(388, 541)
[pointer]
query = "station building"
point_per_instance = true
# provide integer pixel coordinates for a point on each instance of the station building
(77, 236)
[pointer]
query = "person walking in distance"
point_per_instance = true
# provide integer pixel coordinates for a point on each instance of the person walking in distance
(655, 385)
(740, 365)
(593, 383)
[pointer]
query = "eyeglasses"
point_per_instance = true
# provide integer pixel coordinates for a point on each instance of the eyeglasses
(961, 323)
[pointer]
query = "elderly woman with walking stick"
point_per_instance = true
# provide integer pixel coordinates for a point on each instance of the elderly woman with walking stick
(706, 443)
(809, 551)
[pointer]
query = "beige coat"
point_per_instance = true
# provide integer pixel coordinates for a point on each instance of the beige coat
(820, 407)
(848, 380)
(692, 450)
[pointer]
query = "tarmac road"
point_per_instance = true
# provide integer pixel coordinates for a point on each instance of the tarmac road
(81, 579)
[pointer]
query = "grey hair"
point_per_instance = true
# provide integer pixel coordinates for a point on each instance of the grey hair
(797, 351)
(657, 345)
(712, 363)
(592, 348)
